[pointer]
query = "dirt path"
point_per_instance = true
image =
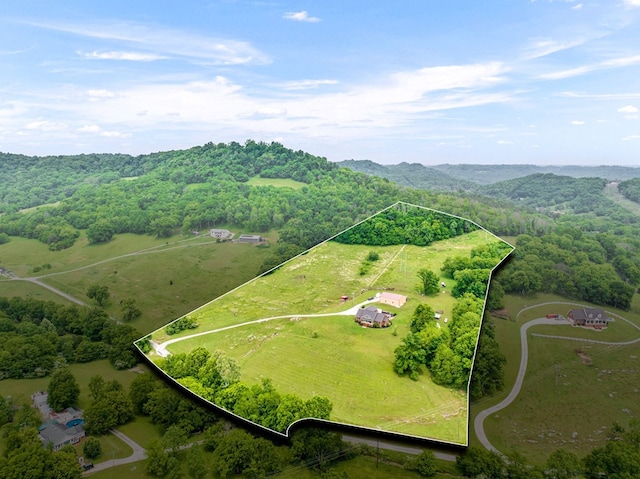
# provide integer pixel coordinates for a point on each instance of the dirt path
(478, 422)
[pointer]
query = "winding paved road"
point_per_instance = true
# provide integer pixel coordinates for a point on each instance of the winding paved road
(138, 454)
(478, 422)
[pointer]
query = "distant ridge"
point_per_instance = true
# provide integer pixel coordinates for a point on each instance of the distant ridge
(465, 177)
(413, 175)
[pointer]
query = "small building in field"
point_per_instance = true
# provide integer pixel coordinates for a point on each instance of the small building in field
(250, 239)
(589, 317)
(372, 317)
(392, 299)
(219, 233)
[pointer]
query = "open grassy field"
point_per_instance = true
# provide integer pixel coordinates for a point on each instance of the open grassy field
(276, 182)
(565, 401)
(332, 355)
(166, 277)
(10, 288)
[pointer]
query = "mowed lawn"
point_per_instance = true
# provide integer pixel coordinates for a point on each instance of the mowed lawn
(564, 402)
(331, 355)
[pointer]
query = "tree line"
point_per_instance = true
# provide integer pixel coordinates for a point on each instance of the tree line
(216, 378)
(37, 337)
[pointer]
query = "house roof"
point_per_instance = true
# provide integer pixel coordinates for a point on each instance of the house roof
(588, 313)
(371, 314)
(58, 434)
(397, 297)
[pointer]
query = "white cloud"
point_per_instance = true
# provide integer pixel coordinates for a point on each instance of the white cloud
(628, 109)
(631, 138)
(306, 84)
(504, 142)
(161, 42)
(45, 126)
(302, 16)
(115, 134)
(269, 112)
(130, 56)
(577, 122)
(101, 93)
(631, 3)
(572, 72)
(90, 129)
(577, 6)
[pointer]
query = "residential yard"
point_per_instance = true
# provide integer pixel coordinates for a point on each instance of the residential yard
(331, 355)
(573, 390)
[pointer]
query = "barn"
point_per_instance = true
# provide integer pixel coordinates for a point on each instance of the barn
(392, 299)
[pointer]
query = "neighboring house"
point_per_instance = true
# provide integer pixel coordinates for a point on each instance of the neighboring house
(392, 299)
(58, 435)
(590, 317)
(372, 317)
(59, 428)
(219, 233)
(250, 239)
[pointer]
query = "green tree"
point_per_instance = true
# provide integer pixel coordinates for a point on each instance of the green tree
(196, 463)
(99, 293)
(422, 315)
(424, 464)
(100, 232)
(96, 386)
(63, 390)
(91, 448)
(428, 282)
(563, 465)
(410, 357)
(159, 462)
(478, 462)
(129, 309)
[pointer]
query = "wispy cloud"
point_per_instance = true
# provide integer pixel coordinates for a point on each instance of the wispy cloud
(306, 84)
(161, 42)
(302, 16)
(130, 56)
(578, 122)
(628, 109)
(631, 138)
(600, 96)
(542, 47)
(572, 72)
(631, 3)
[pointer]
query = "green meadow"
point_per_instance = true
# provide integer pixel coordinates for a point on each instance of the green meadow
(166, 277)
(574, 390)
(333, 356)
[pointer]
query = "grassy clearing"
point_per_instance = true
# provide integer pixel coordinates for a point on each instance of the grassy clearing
(22, 389)
(611, 191)
(331, 355)
(10, 288)
(141, 430)
(314, 282)
(561, 394)
(112, 448)
(276, 182)
(170, 282)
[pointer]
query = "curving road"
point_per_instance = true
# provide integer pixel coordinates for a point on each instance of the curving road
(138, 454)
(478, 422)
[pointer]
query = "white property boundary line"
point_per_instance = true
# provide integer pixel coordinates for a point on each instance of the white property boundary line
(159, 347)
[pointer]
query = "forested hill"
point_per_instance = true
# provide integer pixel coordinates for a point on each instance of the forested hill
(465, 177)
(413, 175)
(32, 181)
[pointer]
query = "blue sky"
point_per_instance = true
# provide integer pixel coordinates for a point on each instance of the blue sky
(512, 81)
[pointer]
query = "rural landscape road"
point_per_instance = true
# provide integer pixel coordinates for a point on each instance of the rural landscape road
(478, 423)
